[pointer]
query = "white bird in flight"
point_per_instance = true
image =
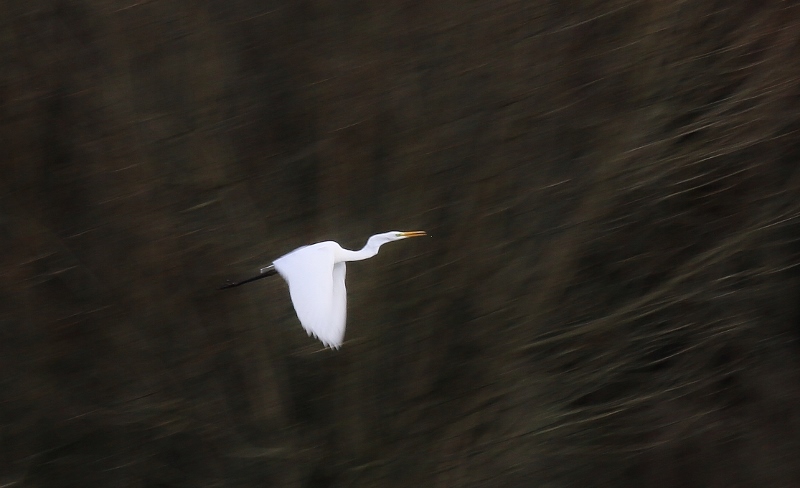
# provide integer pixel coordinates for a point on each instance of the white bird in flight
(315, 275)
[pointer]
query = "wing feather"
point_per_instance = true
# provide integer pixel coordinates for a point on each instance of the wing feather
(316, 286)
(339, 301)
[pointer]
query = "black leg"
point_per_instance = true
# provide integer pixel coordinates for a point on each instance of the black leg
(268, 271)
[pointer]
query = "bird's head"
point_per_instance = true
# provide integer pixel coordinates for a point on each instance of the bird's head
(394, 235)
(405, 235)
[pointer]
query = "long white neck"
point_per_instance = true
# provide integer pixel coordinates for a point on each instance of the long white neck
(369, 250)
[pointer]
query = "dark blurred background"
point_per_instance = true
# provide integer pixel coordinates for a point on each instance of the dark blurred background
(611, 296)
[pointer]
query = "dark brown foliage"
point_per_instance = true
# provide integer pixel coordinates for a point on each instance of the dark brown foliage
(610, 297)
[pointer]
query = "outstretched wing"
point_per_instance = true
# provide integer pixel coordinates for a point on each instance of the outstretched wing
(339, 301)
(310, 273)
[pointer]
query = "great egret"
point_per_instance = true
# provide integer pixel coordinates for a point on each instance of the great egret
(315, 275)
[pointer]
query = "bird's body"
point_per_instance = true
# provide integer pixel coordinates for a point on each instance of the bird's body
(316, 278)
(316, 285)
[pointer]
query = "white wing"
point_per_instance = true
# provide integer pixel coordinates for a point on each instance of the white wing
(317, 289)
(339, 301)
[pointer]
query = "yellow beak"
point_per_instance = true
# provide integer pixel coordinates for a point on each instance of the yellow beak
(413, 233)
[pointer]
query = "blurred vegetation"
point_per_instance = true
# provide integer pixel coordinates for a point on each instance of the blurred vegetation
(610, 297)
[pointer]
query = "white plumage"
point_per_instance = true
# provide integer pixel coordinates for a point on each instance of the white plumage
(316, 278)
(316, 285)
